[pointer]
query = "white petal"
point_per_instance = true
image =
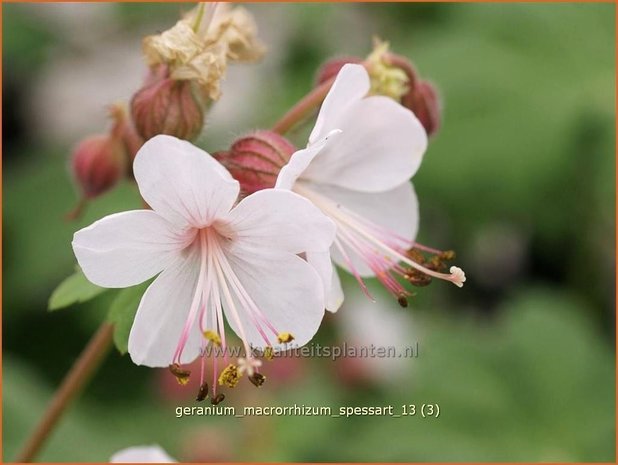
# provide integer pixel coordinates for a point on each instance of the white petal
(182, 182)
(352, 84)
(333, 293)
(381, 146)
(300, 160)
(126, 248)
(142, 454)
(394, 211)
(280, 220)
(334, 298)
(286, 289)
(162, 314)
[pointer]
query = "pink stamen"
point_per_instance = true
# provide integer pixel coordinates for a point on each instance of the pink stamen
(352, 268)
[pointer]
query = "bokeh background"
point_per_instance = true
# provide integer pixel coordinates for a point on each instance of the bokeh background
(519, 181)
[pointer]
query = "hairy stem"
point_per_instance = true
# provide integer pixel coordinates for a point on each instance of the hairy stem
(308, 103)
(72, 384)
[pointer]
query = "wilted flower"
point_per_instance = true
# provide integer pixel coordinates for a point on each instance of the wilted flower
(256, 159)
(212, 259)
(142, 454)
(361, 181)
(199, 46)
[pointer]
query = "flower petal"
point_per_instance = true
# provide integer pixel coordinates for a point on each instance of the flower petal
(125, 249)
(142, 454)
(182, 182)
(162, 314)
(381, 146)
(287, 291)
(393, 215)
(300, 160)
(351, 85)
(279, 220)
(333, 293)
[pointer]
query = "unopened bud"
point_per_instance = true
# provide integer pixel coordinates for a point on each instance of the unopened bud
(98, 163)
(331, 68)
(167, 106)
(255, 160)
(396, 77)
(124, 129)
(424, 102)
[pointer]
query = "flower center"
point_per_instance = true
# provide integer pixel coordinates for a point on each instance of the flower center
(217, 286)
(387, 254)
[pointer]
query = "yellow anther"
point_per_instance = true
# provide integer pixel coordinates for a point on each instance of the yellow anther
(212, 337)
(230, 376)
(284, 338)
(269, 354)
(182, 376)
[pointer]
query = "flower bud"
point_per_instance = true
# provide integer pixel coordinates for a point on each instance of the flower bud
(98, 163)
(331, 68)
(255, 160)
(167, 106)
(424, 102)
(125, 130)
(396, 77)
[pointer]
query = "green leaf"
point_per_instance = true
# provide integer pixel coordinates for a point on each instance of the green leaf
(122, 312)
(74, 290)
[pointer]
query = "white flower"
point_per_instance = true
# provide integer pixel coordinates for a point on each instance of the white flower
(361, 181)
(212, 259)
(142, 454)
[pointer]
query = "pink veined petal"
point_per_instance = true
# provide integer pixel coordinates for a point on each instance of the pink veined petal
(162, 313)
(333, 293)
(286, 290)
(351, 84)
(125, 249)
(381, 146)
(182, 182)
(279, 220)
(300, 160)
(391, 216)
(142, 454)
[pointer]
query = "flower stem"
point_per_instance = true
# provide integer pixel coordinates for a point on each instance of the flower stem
(79, 374)
(300, 111)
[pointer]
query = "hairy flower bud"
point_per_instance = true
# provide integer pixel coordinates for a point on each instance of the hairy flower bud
(255, 160)
(423, 100)
(331, 68)
(98, 163)
(396, 77)
(167, 106)
(125, 129)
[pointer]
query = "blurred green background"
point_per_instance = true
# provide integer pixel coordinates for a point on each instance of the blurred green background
(519, 181)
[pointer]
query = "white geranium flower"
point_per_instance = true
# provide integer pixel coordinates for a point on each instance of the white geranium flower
(142, 454)
(212, 258)
(361, 181)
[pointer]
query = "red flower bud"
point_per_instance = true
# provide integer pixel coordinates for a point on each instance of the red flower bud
(424, 102)
(167, 106)
(331, 68)
(255, 160)
(125, 130)
(98, 163)
(395, 76)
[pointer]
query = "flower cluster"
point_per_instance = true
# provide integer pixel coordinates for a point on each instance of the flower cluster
(250, 237)
(186, 65)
